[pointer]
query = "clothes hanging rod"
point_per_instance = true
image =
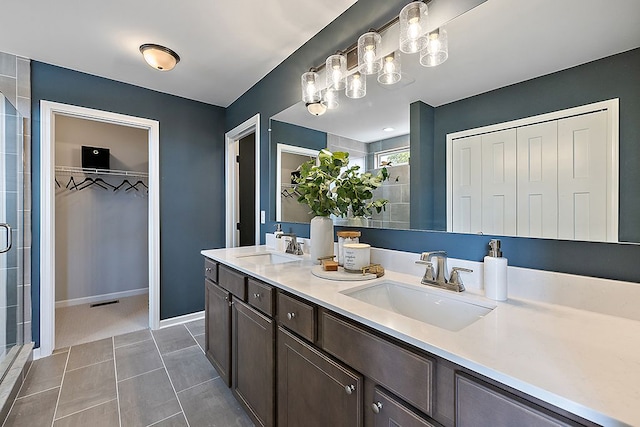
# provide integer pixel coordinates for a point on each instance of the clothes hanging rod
(68, 170)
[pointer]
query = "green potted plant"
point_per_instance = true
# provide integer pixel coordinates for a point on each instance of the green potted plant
(328, 191)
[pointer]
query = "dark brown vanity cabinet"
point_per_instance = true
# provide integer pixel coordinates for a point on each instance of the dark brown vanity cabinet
(313, 389)
(383, 409)
(218, 329)
(253, 361)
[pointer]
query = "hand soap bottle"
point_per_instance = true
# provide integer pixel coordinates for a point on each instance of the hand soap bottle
(495, 273)
(280, 244)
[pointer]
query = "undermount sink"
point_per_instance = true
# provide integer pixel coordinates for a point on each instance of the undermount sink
(424, 305)
(268, 258)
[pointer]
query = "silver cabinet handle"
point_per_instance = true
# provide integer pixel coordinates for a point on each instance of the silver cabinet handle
(291, 316)
(350, 388)
(375, 407)
(9, 238)
(208, 269)
(256, 296)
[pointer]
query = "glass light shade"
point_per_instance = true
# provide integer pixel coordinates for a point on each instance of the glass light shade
(310, 93)
(413, 27)
(437, 50)
(159, 57)
(368, 46)
(336, 70)
(356, 86)
(390, 72)
(316, 108)
(330, 99)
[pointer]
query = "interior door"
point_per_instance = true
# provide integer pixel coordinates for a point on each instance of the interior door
(247, 190)
(11, 225)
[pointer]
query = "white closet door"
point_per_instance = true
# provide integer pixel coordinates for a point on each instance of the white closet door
(499, 183)
(467, 185)
(538, 180)
(582, 177)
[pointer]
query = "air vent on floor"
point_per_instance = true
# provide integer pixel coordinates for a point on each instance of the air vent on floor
(98, 304)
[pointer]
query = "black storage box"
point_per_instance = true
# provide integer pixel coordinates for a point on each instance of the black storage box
(95, 158)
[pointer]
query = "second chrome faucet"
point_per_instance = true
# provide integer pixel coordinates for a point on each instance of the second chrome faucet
(440, 280)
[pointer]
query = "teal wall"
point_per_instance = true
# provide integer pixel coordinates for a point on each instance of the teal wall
(191, 176)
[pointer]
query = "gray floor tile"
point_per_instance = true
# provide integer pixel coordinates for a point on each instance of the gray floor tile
(105, 415)
(196, 327)
(61, 350)
(175, 421)
(34, 410)
(86, 387)
(213, 397)
(132, 337)
(90, 353)
(44, 374)
(147, 399)
(136, 359)
(173, 338)
(188, 367)
(201, 340)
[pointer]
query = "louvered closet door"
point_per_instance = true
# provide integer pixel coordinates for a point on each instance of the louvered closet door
(499, 183)
(467, 185)
(582, 177)
(538, 180)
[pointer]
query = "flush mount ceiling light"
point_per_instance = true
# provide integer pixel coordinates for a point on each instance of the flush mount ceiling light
(316, 108)
(159, 57)
(413, 23)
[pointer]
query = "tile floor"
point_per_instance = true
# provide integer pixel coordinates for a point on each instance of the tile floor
(160, 378)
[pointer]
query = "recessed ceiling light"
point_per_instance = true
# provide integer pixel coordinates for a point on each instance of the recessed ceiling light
(388, 129)
(159, 57)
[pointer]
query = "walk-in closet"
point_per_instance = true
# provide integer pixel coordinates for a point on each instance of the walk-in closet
(101, 230)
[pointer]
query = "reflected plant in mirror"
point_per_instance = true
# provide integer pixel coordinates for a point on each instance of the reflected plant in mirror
(355, 193)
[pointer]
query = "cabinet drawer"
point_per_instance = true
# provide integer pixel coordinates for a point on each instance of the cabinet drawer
(260, 296)
(297, 316)
(211, 270)
(388, 411)
(481, 405)
(233, 281)
(404, 373)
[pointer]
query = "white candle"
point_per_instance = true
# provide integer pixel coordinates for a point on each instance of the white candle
(356, 256)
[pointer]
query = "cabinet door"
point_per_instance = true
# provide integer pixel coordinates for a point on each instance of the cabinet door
(467, 185)
(218, 329)
(313, 390)
(389, 411)
(253, 362)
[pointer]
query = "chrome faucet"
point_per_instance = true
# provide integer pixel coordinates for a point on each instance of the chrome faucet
(293, 246)
(441, 281)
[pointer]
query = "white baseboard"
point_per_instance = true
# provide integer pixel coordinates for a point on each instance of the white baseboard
(179, 320)
(103, 297)
(36, 353)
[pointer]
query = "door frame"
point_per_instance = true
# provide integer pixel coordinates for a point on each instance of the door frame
(48, 111)
(232, 137)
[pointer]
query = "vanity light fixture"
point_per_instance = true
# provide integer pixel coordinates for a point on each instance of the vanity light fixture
(309, 83)
(390, 71)
(159, 57)
(356, 86)
(368, 46)
(413, 23)
(437, 49)
(330, 99)
(336, 71)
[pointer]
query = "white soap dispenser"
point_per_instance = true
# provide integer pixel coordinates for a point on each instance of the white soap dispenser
(280, 244)
(495, 273)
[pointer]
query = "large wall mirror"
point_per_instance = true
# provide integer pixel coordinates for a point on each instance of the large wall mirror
(507, 61)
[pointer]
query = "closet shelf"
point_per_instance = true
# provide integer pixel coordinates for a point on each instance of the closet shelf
(115, 172)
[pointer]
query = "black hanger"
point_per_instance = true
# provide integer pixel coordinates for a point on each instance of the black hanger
(72, 181)
(57, 183)
(90, 181)
(98, 180)
(126, 181)
(136, 185)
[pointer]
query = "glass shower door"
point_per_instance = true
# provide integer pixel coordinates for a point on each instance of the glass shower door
(11, 232)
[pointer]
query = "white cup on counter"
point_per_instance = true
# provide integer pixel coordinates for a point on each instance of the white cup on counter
(356, 256)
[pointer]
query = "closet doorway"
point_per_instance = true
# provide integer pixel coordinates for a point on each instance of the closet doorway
(99, 224)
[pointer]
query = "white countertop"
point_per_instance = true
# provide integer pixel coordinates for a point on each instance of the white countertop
(587, 363)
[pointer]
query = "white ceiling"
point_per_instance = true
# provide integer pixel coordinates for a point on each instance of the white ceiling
(225, 46)
(500, 42)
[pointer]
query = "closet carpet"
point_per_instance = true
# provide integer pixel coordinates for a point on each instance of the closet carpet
(81, 323)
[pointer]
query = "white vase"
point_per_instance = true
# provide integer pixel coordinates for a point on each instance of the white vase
(321, 238)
